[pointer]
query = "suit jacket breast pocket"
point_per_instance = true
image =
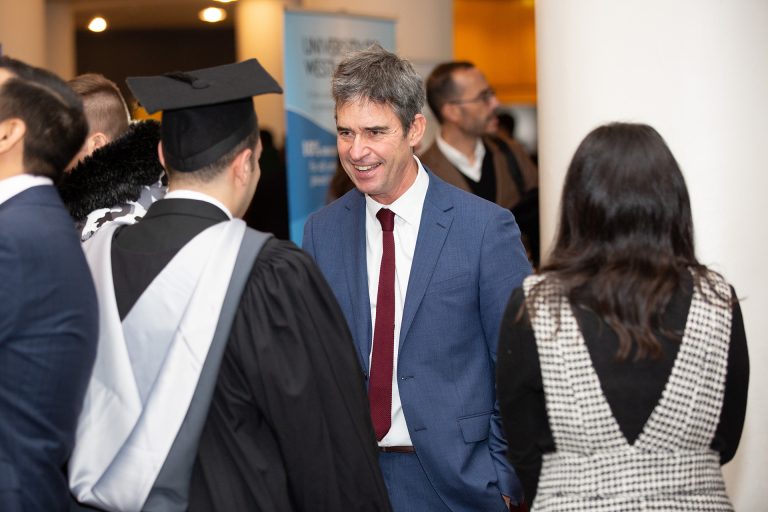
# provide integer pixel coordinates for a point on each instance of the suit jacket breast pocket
(475, 428)
(441, 284)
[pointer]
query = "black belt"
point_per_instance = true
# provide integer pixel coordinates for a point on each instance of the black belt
(397, 449)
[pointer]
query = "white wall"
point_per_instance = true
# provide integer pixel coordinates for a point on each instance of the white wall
(697, 71)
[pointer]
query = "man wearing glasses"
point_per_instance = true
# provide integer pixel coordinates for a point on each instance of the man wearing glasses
(466, 153)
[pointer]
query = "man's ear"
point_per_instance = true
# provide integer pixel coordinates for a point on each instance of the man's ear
(242, 167)
(12, 132)
(416, 130)
(96, 140)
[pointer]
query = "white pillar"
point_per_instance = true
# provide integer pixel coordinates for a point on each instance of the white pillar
(22, 30)
(60, 39)
(696, 71)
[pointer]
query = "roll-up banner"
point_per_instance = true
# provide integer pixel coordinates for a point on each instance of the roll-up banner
(315, 42)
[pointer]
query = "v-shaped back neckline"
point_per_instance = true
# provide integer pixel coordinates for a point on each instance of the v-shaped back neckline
(682, 392)
(608, 417)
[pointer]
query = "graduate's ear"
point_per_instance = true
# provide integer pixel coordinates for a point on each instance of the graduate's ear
(242, 167)
(12, 132)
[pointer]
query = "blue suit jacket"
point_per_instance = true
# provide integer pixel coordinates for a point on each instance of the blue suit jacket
(467, 261)
(48, 334)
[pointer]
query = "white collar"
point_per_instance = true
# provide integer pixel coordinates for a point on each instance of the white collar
(14, 185)
(457, 158)
(199, 196)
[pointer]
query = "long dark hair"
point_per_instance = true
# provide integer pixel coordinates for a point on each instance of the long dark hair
(625, 240)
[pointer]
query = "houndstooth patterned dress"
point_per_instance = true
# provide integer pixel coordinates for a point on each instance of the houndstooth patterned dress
(671, 466)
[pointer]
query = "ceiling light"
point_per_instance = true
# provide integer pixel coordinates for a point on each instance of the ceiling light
(212, 14)
(224, 1)
(97, 24)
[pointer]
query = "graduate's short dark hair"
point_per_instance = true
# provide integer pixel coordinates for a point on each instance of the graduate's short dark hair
(209, 172)
(52, 112)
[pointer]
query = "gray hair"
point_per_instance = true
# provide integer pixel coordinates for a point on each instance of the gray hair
(377, 75)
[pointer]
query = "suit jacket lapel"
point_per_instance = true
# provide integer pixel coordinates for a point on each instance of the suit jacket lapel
(357, 274)
(436, 219)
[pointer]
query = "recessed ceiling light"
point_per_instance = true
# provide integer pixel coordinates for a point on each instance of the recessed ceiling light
(212, 14)
(97, 24)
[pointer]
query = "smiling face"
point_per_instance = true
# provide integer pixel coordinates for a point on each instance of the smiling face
(375, 151)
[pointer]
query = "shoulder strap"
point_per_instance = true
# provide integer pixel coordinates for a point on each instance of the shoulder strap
(514, 167)
(171, 489)
(574, 396)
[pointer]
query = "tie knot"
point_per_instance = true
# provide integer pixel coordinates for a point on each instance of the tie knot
(387, 219)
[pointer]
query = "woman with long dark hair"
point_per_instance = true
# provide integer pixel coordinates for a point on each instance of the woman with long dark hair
(622, 369)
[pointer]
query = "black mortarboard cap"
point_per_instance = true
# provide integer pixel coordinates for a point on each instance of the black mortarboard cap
(206, 112)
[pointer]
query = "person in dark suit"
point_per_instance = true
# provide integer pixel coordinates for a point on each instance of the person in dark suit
(421, 270)
(48, 311)
(226, 377)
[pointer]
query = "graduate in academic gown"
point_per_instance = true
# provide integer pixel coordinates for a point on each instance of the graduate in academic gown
(276, 416)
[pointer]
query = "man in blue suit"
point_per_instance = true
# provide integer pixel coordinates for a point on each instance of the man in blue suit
(422, 271)
(48, 315)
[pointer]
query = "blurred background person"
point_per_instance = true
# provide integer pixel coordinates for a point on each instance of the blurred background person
(48, 311)
(268, 211)
(467, 154)
(526, 210)
(622, 367)
(116, 174)
(507, 130)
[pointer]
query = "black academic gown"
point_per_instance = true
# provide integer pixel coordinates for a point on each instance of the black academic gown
(288, 428)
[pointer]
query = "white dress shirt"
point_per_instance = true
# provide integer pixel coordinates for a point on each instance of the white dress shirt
(407, 209)
(473, 170)
(15, 185)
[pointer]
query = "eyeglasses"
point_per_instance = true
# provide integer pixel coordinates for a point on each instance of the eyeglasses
(485, 96)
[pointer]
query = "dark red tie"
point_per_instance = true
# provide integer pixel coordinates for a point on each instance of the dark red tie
(380, 383)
